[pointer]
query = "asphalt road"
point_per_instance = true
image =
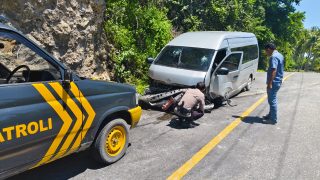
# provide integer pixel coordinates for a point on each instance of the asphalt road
(252, 150)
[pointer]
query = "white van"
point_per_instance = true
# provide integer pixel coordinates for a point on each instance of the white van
(226, 61)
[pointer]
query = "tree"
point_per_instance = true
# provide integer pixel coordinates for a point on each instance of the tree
(307, 54)
(140, 28)
(135, 31)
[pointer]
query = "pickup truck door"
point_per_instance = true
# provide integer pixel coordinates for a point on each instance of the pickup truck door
(222, 85)
(40, 120)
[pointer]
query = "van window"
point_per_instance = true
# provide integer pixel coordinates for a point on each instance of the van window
(221, 54)
(232, 62)
(249, 52)
(198, 59)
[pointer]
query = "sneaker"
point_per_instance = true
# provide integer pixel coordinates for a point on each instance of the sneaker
(194, 123)
(266, 117)
(269, 121)
(190, 124)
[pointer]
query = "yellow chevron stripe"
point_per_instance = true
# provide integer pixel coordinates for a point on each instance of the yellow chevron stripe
(64, 116)
(87, 106)
(77, 112)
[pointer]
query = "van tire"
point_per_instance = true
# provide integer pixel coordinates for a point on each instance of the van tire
(249, 84)
(218, 101)
(112, 142)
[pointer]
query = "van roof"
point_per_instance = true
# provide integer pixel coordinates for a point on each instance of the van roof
(207, 39)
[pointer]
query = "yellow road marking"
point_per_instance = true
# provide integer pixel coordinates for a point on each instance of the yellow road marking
(64, 116)
(77, 112)
(91, 113)
(186, 167)
(285, 78)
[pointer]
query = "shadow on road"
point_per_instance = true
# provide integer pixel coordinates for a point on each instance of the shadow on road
(251, 119)
(64, 168)
(166, 116)
(176, 123)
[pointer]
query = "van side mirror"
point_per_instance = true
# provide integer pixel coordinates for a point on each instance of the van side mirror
(150, 60)
(223, 71)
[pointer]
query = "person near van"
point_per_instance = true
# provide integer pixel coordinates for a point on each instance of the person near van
(274, 80)
(193, 101)
(191, 104)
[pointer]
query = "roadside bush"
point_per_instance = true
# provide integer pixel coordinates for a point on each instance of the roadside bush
(136, 31)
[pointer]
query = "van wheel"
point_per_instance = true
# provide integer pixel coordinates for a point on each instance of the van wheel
(249, 85)
(218, 101)
(112, 142)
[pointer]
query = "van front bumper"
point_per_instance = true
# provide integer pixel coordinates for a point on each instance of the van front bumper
(135, 114)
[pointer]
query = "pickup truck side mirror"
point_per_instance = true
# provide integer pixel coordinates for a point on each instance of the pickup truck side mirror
(67, 78)
(67, 75)
(150, 60)
(223, 71)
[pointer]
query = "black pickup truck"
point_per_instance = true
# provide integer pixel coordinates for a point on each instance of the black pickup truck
(48, 112)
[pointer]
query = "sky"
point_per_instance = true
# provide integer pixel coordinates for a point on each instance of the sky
(312, 9)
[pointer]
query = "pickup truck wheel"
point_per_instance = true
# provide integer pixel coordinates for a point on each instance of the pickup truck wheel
(112, 142)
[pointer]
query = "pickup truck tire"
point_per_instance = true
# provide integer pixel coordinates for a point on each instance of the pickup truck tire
(112, 142)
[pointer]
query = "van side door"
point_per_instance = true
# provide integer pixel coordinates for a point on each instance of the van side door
(225, 83)
(219, 56)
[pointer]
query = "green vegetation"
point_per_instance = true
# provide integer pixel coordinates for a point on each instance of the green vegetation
(136, 31)
(139, 29)
(307, 51)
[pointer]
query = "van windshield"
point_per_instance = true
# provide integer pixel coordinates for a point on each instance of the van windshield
(190, 58)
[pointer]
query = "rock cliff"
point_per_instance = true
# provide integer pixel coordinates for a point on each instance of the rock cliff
(72, 30)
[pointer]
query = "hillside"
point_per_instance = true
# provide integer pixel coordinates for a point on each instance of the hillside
(71, 30)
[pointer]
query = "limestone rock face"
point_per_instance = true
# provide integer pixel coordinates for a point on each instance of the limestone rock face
(72, 30)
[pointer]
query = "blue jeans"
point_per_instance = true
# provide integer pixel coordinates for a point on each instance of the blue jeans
(272, 100)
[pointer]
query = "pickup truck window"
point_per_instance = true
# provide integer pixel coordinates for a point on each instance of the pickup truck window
(29, 66)
(197, 59)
